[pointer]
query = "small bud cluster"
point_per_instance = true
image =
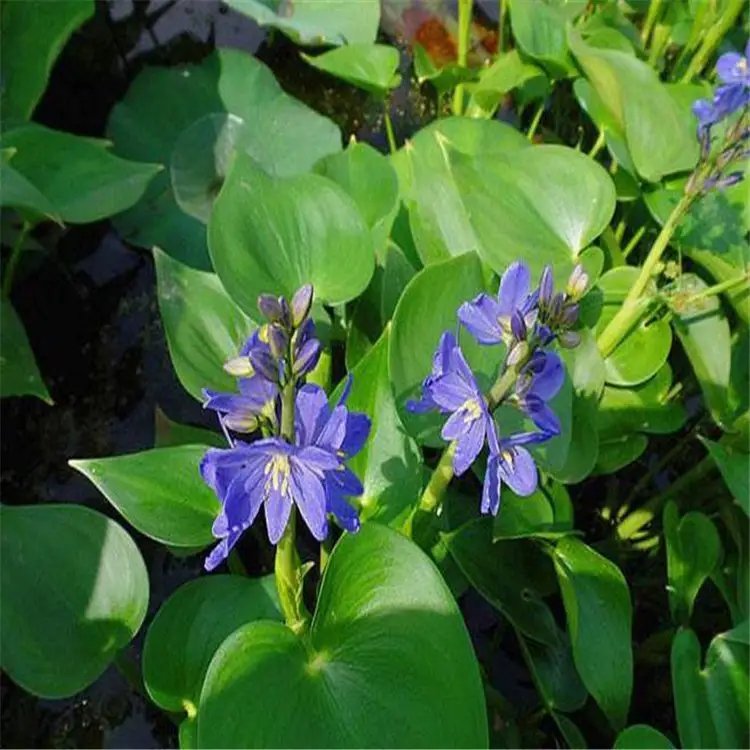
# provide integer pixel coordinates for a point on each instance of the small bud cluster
(558, 312)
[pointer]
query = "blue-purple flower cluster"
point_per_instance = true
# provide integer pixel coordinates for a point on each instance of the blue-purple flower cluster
(527, 322)
(307, 469)
(730, 97)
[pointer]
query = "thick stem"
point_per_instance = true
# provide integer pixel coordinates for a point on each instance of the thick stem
(15, 256)
(464, 28)
(713, 38)
(630, 311)
(287, 567)
(439, 481)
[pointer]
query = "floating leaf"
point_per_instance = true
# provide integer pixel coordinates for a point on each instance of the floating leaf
(703, 331)
(19, 374)
(80, 178)
(372, 67)
(599, 613)
(659, 131)
(646, 348)
(389, 464)
(315, 23)
(159, 491)
(642, 737)
(387, 641)
(189, 628)
(272, 236)
(368, 177)
(712, 703)
(693, 551)
(193, 118)
(74, 592)
(204, 327)
(32, 35)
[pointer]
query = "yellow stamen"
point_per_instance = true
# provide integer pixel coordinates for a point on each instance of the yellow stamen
(471, 409)
(277, 470)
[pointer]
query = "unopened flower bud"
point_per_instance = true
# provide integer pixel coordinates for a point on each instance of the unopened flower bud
(265, 365)
(239, 367)
(278, 341)
(556, 306)
(271, 307)
(546, 286)
(241, 422)
(518, 326)
(301, 303)
(307, 357)
(577, 282)
(518, 353)
(569, 339)
(569, 315)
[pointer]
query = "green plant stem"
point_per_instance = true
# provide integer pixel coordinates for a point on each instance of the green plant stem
(287, 567)
(464, 28)
(535, 122)
(15, 255)
(643, 516)
(712, 291)
(389, 129)
(598, 144)
(712, 39)
(630, 311)
(501, 16)
(634, 240)
(654, 11)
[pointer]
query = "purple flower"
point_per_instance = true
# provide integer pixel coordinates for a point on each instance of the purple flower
(512, 465)
(539, 381)
(270, 473)
(491, 319)
(340, 432)
(733, 68)
(452, 389)
(240, 411)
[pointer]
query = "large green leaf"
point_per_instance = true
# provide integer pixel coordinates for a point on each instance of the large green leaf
(586, 371)
(190, 627)
(390, 463)
(659, 131)
(693, 551)
(703, 331)
(80, 178)
(539, 30)
(314, 22)
(712, 702)
(421, 317)
(272, 236)
(645, 348)
(32, 35)
(180, 117)
(19, 193)
(371, 181)
(732, 463)
(204, 327)
(74, 592)
(543, 203)
(597, 605)
(159, 491)
(19, 374)
(617, 452)
(371, 67)
(386, 646)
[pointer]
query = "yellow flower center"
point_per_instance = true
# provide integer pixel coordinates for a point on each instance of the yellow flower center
(471, 409)
(277, 471)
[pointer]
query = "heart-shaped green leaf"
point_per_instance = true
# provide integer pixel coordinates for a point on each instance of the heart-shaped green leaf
(539, 30)
(732, 463)
(693, 550)
(390, 463)
(204, 327)
(272, 236)
(420, 319)
(19, 374)
(712, 702)
(547, 513)
(703, 331)
(642, 737)
(599, 613)
(386, 646)
(53, 161)
(646, 348)
(314, 22)
(191, 625)
(368, 177)
(74, 592)
(159, 491)
(371, 67)
(616, 453)
(659, 131)
(193, 118)
(32, 35)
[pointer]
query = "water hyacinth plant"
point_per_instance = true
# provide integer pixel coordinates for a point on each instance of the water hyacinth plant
(454, 452)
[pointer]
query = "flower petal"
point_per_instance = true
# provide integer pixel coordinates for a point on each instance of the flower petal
(310, 497)
(310, 414)
(277, 509)
(468, 447)
(343, 512)
(491, 487)
(728, 67)
(451, 391)
(542, 415)
(514, 287)
(519, 472)
(549, 378)
(480, 317)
